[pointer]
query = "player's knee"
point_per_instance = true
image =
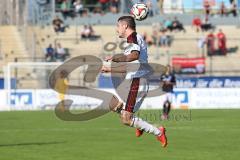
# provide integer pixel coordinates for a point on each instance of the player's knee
(126, 119)
(167, 104)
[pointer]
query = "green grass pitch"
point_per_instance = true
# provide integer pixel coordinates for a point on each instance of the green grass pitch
(195, 135)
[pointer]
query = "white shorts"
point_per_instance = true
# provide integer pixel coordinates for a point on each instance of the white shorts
(168, 97)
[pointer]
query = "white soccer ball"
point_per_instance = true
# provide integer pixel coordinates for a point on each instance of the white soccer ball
(139, 11)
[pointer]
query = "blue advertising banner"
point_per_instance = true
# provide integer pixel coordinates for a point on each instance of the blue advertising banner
(13, 83)
(21, 98)
(185, 82)
(209, 82)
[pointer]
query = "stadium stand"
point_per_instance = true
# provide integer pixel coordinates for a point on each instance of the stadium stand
(108, 35)
(11, 43)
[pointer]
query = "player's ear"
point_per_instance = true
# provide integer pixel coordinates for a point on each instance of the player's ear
(125, 25)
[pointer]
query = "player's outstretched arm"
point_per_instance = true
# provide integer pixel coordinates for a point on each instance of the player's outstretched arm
(118, 69)
(134, 55)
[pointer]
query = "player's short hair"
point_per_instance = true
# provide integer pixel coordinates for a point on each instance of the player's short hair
(129, 20)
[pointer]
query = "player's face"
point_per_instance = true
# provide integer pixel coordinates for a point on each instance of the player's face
(121, 29)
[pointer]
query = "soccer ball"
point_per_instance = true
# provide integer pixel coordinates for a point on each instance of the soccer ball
(139, 11)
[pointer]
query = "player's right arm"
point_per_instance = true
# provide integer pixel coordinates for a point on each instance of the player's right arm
(134, 55)
(118, 69)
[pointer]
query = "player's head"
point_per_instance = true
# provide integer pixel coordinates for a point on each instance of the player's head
(169, 69)
(125, 25)
(63, 74)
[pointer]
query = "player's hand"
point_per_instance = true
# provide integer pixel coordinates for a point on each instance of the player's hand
(105, 69)
(108, 58)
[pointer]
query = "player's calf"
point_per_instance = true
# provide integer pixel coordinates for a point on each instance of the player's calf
(166, 110)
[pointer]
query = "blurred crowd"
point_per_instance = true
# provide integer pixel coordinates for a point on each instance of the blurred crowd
(222, 9)
(73, 8)
(161, 32)
(214, 42)
(57, 53)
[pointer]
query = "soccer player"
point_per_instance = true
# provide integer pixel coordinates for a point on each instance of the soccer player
(61, 85)
(169, 80)
(135, 52)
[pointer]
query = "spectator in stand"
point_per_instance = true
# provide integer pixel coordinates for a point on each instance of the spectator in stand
(58, 2)
(155, 37)
(221, 42)
(66, 9)
(85, 33)
(206, 26)
(161, 27)
(155, 33)
(210, 41)
(207, 8)
(104, 5)
(58, 25)
(98, 9)
(168, 24)
(89, 33)
(233, 9)
(114, 7)
(222, 9)
(60, 52)
(49, 53)
(177, 25)
(92, 32)
(78, 6)
(196, 23)
(164, 39)
(150, 8)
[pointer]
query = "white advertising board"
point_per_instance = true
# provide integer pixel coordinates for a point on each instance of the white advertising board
(197, 98)
(214, 98)
(3, 101)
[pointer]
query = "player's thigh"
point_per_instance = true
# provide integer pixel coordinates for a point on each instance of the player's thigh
(127, 91)
(169, 97)
(142, 93)
(123, 89)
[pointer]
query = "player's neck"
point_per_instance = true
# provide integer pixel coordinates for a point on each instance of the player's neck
(129, 32)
